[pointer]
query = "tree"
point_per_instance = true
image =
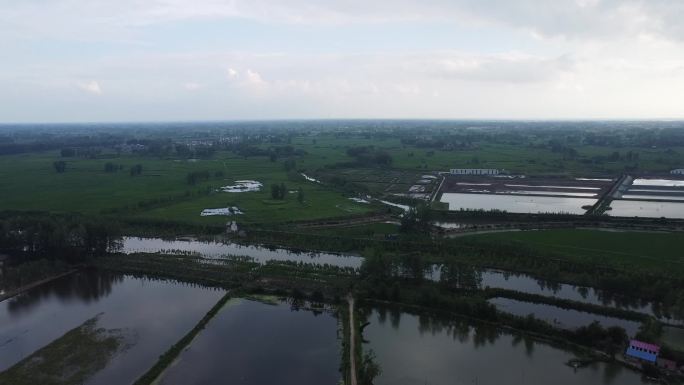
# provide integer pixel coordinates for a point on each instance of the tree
(278, 191)
(60, 166)
(300, 196)
(68, 152)
(368, 369)
(136, 170)
(283, 190)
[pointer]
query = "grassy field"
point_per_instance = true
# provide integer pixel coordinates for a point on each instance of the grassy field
(30, 182)
(628, 249)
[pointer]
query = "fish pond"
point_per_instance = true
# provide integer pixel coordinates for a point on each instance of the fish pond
(418, 349)
(252, 343)
(516, 203)
(139, 319)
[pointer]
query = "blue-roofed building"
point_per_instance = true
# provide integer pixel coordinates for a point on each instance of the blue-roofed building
(643, 351)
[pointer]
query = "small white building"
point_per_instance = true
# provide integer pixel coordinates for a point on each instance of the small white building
(474, 171)
(677, 171)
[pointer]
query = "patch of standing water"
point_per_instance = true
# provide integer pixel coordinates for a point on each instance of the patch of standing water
(155, 313)
(226, 211)
(243, 186)
(310, 179)
(561, 318)
(218, 249)
(254, 343)
(360, 200)
(419, 349)
(406, 208)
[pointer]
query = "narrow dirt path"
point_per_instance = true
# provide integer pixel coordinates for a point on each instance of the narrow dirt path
(352, 341)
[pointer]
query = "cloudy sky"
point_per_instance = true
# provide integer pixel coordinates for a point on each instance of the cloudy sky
(151, 60)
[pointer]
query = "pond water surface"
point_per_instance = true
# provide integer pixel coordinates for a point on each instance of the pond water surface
(254, 343)
(516, 203)
(562, 318)
(212, 249)
(524, 283)
(153, 315)
(632, 208)
(419, 350)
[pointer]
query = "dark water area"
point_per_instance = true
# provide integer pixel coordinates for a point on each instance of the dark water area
(419, 349)
(562, 318)
(254, 343)
(153, 315)
(259, 254)
(527, 284)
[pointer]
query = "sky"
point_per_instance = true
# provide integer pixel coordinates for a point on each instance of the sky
(170, 60)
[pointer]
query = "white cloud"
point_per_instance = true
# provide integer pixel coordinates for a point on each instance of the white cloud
(585, 19)
(192, 86)
(91, 86)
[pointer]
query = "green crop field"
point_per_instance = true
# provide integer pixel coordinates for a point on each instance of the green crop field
(658, 251)
(31, 183)
(161, 191)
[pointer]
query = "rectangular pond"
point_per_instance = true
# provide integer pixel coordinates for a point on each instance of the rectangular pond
(151, 315)
(647, 209)
(516, 203)
(417, 349)
(254, 343)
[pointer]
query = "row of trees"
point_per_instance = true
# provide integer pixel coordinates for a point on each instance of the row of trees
(51, 237)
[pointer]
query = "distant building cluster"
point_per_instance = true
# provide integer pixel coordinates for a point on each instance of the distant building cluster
(474, 171)
(677, 171)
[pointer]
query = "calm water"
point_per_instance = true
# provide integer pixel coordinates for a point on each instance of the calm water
(626, 208)
(516, 204)
(419, 350)
(154, 316)
(253, 343)
(562, 318)
(218, 249)
(527, 284)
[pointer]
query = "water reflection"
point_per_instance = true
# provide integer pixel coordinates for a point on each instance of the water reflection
(155, 313)
(251, 342)
(259, 254)
(561, 318)
(466, 276)
(516, 203)
(429, 350)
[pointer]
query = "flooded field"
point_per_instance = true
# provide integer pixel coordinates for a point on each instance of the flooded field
(420, 350)
(218, 249)
(516, 203)
(633, 208)
(254, 343)
(559, 317)
(150, 314)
